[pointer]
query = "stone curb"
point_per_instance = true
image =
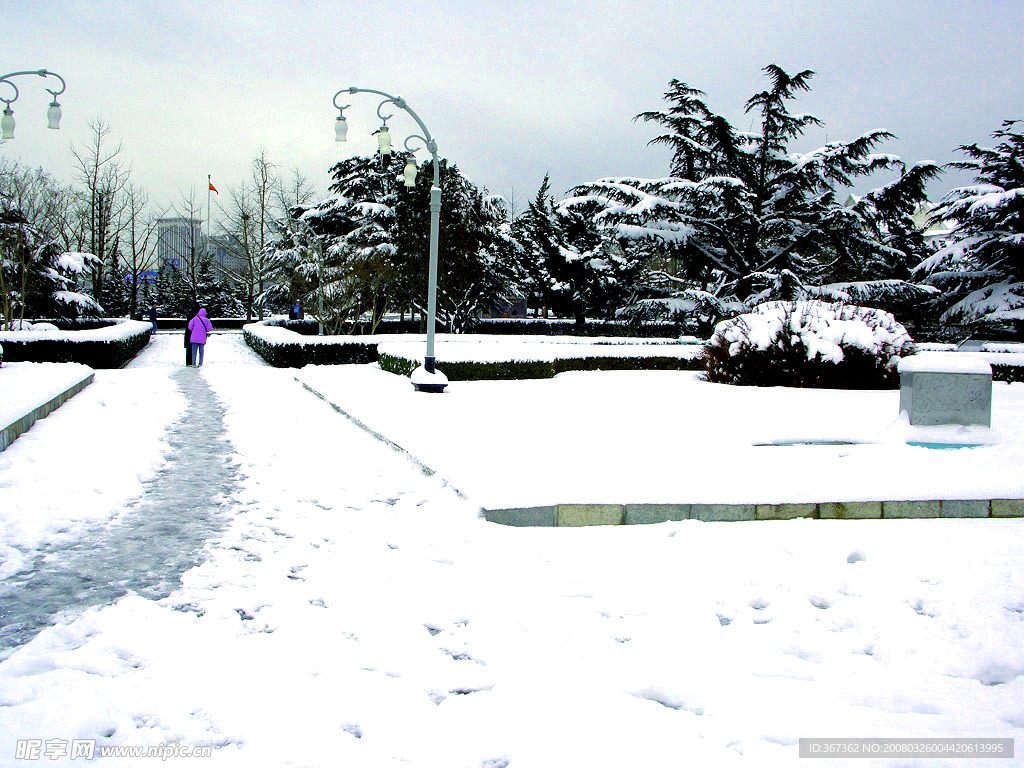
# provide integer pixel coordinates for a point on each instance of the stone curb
(574, 515)
(11, 432)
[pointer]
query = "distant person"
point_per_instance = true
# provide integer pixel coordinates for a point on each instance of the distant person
(188, 334)
(1, 354)
(152, 317)
(200, 327)
(297, 309)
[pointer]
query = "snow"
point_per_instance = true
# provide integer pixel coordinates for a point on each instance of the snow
(422, 377)
(945, 362)
(26, 386)
(121, 329)
(84, 462)
(668, 437)
(483, 349)
(74, 261)
(356, 612)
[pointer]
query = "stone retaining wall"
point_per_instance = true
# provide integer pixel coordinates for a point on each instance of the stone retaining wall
(640, 514)
(10, 432)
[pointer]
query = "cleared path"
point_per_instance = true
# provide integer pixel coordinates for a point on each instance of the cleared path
(162, 534)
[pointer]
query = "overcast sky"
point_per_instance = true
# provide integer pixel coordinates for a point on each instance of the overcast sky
(509, 90)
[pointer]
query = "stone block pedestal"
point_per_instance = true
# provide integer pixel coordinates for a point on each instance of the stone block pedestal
(938, 388)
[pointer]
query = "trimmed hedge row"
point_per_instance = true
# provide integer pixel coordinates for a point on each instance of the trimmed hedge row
(538, 327)
(312, 327)
(96, 353)
(299, 353)
(507, 327)
(537, 369)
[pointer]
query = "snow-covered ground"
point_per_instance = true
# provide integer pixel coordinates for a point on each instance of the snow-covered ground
(356, 612)
(26, 386)
(667, 437)
(84, 462)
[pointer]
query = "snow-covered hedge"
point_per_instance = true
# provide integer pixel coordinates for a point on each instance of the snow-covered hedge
(474, 357)
(466, 357)
(283, 348)
(808, 344)
(471, 356)
(593, 328)
(108, 347)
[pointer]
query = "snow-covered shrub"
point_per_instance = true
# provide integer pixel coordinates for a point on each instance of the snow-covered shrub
(283, 348)
(808, 344)
(110, 346)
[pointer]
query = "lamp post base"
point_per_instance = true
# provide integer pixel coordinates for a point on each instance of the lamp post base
(428, 379)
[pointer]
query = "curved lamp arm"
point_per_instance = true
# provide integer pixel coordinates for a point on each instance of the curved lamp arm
(398, 101)
(41, 72)
(53, 113)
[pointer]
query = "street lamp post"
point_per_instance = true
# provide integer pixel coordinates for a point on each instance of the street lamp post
(53, 113)
(427, 379)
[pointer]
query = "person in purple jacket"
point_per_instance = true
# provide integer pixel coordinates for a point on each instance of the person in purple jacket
(200, 327)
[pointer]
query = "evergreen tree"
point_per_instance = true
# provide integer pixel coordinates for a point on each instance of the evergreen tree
(535, 230)
(572, 265)
(174, 296)
(478, 257)
(981, 271)
(116, 296)
(38, 279)
(741, 212)
(364, 250)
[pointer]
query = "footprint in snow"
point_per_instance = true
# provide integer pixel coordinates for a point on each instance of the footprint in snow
(856, 556)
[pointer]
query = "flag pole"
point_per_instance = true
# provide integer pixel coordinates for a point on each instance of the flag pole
(209, 188)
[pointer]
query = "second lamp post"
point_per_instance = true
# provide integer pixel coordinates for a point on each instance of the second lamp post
(427, 379)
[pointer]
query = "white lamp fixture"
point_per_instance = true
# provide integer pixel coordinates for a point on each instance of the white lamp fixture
(340, 129)
(410, 171)
(384, 141)
(53, 115)
(7, 124)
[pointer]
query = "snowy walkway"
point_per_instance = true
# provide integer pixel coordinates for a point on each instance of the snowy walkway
(353, 611)
(150, 543)
(147, 548)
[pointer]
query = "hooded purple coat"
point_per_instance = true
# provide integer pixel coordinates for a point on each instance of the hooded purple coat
(199, 326)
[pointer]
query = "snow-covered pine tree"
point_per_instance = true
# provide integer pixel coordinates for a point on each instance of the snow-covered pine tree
(364, 250)
(573, 266)
(478, 264)
(38, 279)
(355, 230)
(981, 271)
(116, 297)
(740, 209)
(535, 231)
(174, 296)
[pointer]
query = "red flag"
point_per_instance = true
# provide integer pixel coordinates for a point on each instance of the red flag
(213, 188)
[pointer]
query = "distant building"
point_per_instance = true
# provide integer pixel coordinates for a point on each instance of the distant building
(228, 254)
(179, 240)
